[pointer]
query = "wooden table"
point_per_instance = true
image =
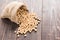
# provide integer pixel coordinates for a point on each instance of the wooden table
(48, 29)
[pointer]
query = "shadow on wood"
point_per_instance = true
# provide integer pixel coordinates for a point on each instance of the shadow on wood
(13, 25)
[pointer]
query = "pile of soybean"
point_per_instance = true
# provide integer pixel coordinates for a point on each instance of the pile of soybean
(27, 21)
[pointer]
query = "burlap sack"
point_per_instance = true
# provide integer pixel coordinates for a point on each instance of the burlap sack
(10, 10)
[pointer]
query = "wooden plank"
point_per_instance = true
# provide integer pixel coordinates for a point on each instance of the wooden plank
(2, 29)
(57, 34)
(48, 28)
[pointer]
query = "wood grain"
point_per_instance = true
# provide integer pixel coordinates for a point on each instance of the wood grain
(49, 28)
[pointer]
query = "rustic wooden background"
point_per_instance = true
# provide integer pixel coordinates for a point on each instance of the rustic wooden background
(48, 29)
